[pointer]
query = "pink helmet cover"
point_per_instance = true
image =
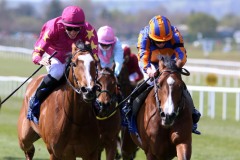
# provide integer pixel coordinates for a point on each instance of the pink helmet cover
(73, 16)
(106, 35)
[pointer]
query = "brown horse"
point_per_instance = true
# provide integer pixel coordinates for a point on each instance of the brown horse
(164, 120)
(125, 142)
(67, 122)
(109, 125)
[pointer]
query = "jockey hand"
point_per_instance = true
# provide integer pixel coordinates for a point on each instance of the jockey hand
(151, 72)
(45, 61)
(179, 63)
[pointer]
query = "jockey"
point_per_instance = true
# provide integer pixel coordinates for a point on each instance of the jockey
(58, 34)
(110, 52)
(109, 49)
(160, 37)
(131, 61)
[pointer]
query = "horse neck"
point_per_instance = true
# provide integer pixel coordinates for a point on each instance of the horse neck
(75, 106)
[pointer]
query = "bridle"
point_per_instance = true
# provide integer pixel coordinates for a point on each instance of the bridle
(113, 96)
(157, 87)
(70, 66)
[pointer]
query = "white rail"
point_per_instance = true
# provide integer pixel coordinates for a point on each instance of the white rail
(212, 99)
(9, 84)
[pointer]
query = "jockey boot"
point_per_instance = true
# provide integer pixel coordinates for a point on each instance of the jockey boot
(195, 117)
(44, 89)
(195, 113)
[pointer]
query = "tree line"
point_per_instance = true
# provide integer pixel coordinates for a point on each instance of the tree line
(127, 25)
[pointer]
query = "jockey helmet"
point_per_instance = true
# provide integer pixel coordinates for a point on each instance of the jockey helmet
(126, 50)
(106, 35)
(73, 16)
(160, 29)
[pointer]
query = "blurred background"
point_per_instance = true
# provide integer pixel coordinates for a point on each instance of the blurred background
(211, 31)
(217, 21)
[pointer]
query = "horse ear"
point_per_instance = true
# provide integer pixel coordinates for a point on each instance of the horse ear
(88, 47)
(99, 66)
(74, 48)
(113, 66)
(161, 63)
(161, 58)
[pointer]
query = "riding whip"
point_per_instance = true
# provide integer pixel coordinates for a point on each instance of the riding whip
(26, 80)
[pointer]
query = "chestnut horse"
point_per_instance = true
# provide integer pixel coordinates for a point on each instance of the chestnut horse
(109, 122)
(67, 122)
(164, 120)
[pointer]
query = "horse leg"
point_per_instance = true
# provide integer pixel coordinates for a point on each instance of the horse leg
(184, 151)
(111, 149)
(93, 156)
(100, 150)
(128, 147)
(30, 153)
(52, 157)
(118, 155)
(26, 136)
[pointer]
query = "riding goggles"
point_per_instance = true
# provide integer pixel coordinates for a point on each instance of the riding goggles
(73, 28)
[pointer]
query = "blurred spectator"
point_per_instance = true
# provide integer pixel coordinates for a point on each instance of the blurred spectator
(130, 59)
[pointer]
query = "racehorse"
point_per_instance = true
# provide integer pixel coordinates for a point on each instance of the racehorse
(164, 120)
(109, 122)
(67, 122)
(125, 142)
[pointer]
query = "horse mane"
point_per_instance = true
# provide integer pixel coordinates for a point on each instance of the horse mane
(68, 58)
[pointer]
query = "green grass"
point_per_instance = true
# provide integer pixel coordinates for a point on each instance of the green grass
(219, 140)
(23, 67)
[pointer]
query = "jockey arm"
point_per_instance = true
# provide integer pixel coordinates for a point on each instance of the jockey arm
(41, 45)
(118, 57)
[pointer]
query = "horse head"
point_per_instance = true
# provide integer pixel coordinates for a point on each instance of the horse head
(107, 95)
(82, 71)
(169, 91)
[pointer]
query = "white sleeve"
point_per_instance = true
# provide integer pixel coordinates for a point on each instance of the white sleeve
(118, 57)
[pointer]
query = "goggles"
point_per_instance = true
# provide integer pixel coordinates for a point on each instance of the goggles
(105, 45)
(72, 28)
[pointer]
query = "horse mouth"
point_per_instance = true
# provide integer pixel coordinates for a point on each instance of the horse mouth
(89, 97)
(88, 94)
(167, 123)
(103, 109)
(168, 120)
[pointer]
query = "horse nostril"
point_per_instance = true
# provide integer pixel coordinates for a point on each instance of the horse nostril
(162, 114)
(84, 89)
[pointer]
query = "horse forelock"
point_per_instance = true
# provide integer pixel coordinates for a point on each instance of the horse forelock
(87, 59)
